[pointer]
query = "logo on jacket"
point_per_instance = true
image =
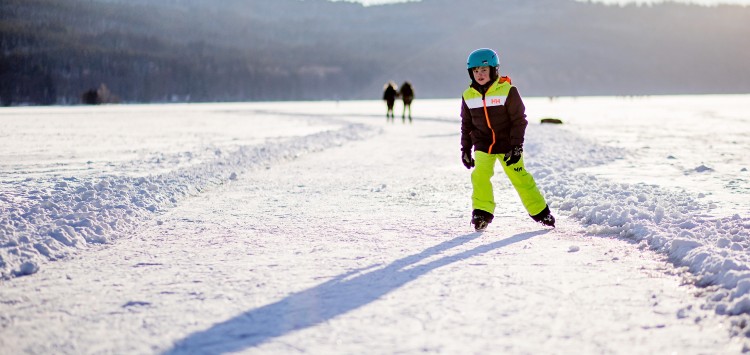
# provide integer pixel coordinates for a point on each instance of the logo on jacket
(496, 102)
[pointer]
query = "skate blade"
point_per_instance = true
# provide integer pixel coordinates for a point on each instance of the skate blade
(481, 227)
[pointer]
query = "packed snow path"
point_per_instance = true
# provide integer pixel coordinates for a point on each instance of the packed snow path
(361, 248)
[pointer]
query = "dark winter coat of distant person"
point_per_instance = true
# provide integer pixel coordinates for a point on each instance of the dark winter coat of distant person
(407, 95)
(390, 92)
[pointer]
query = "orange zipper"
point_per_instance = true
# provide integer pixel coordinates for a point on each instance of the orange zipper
(487, 117)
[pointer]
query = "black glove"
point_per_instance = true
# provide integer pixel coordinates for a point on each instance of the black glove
(467, 159)
(513, 155)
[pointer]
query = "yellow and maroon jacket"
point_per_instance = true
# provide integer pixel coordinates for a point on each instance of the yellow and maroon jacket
(494, 121)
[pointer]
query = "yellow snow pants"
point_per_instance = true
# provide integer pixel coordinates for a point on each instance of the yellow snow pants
(483, 198)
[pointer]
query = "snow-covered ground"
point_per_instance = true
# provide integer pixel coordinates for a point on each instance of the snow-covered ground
(318, 227)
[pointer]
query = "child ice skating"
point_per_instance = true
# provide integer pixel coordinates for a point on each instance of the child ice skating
(493, 125)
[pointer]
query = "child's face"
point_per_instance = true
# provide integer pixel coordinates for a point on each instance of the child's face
(481, 74)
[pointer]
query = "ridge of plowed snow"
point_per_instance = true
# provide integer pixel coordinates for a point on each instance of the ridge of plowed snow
(43, 220)
(671, 222)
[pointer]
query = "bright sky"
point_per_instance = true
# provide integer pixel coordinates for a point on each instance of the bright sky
(702, 2)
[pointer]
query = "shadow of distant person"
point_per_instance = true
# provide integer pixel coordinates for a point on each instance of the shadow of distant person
(390, 92)
(407, 95)
(340, 295)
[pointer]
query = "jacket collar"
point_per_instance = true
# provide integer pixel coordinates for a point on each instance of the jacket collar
(482, 89)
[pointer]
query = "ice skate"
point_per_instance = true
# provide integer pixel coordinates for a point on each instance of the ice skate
(545, 217)
(481, 219)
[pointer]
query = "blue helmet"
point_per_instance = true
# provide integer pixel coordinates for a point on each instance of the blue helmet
(482, 57)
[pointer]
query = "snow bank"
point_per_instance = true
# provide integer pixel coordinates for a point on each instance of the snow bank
(45, 220)
(672, 222)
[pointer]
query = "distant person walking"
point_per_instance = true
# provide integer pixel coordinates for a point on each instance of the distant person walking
(407, 95)
(493, 125)
(390, 92)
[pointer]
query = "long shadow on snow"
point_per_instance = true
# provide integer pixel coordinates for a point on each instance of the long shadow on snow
(322, 303)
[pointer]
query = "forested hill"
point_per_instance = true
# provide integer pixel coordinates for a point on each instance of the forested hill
(235, 50)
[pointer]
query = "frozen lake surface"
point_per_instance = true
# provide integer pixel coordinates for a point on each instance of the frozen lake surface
(318, 227)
